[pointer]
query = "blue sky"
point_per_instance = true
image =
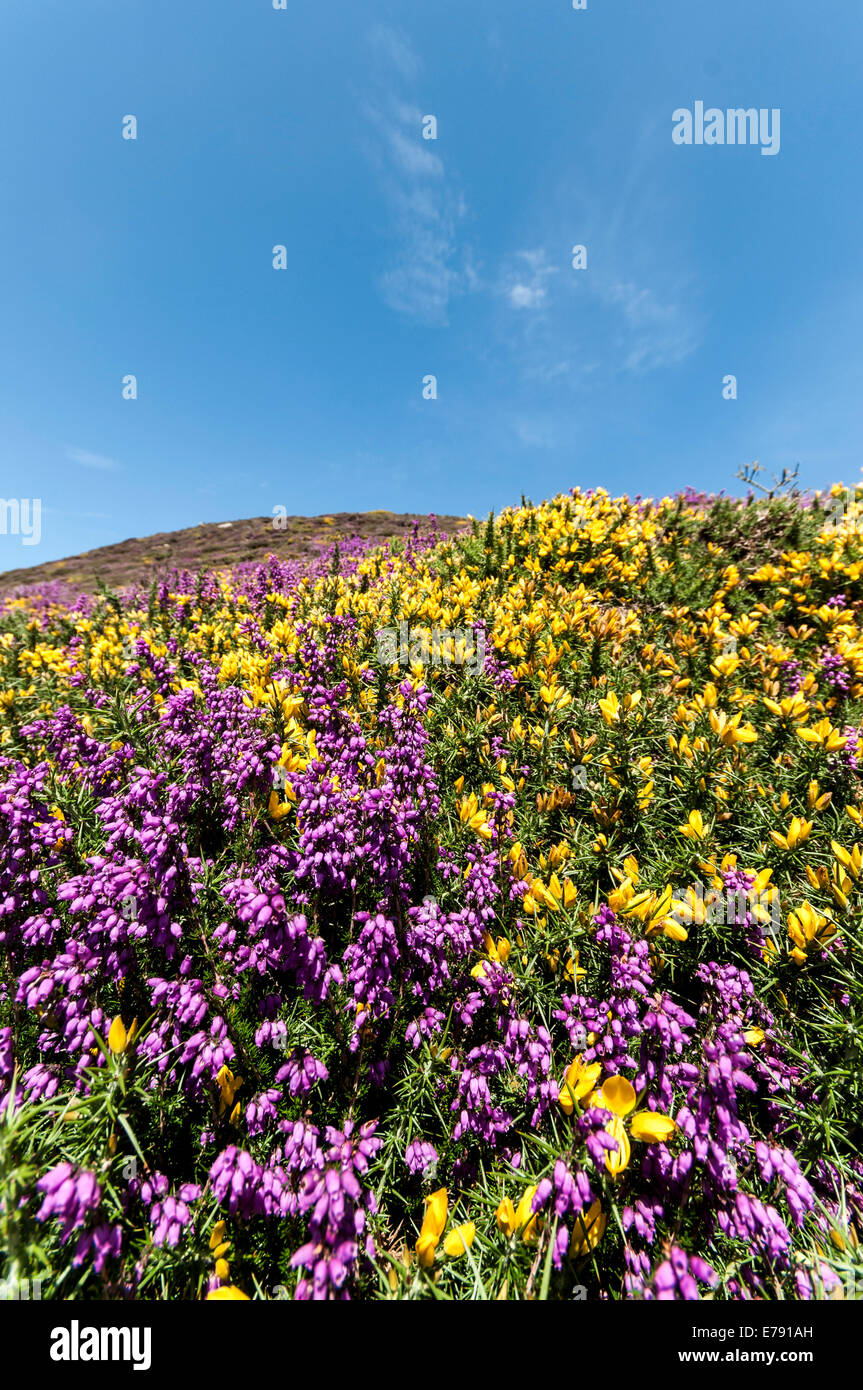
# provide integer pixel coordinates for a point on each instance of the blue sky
(407, 257)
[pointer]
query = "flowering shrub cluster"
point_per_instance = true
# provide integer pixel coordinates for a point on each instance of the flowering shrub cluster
(327, 978)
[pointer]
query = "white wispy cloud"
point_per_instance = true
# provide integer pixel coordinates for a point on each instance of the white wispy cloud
(624, 322)
(91, 460)
(526, 284)
(429, 266)
(393, 47)
(660, 331)
(536, 433)
(636, 308)
(527, 296)
(651, 294)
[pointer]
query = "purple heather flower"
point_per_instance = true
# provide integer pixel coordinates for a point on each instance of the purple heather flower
(70, 1195)
(236, 1179)
(302, 1072)
(420, 1155)
(676, 1277)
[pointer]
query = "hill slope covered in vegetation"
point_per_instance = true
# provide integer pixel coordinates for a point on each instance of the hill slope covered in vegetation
(475, 917)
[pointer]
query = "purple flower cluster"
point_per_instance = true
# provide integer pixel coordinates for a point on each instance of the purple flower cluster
(834, 673)
(792, 677)
(71, 1195)
(336, 1204)
(420, 1155)
(169, 1215)
(677, 1276)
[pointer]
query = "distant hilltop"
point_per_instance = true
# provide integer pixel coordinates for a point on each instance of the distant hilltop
(216, 544)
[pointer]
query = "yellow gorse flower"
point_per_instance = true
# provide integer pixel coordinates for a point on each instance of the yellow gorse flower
(505, 1217)
(556, 895)
(512, 1220)
(588, 1230)
(460, 1240)
(824, 735)
(276, 809)
(797, 834)
(729, 731)
(647, 1126)
(578, 1083)
(218, 1244)
(474, 817)
(118, 1038)
(433, 1226)
(789, 710)
(497, 950)
(808, 930)
(814, 801)
(694, 827)
(228, 1085)
(851, 860)
(609, 708)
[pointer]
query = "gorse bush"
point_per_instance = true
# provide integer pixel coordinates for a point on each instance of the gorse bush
(531, 977)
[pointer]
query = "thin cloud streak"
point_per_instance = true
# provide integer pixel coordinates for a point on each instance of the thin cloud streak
(90, 460)
(429, 265)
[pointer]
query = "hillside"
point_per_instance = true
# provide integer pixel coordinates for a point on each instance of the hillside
(473, 919)
(215, 544)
